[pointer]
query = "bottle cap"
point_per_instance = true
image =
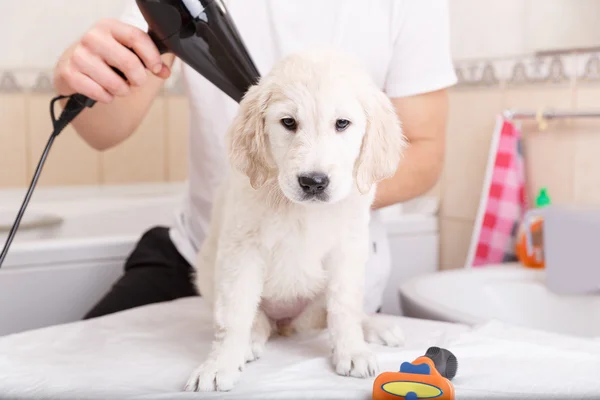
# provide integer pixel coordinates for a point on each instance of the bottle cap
(543, 199)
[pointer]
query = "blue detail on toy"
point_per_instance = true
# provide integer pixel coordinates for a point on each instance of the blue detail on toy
(420, 369)
(411, 396)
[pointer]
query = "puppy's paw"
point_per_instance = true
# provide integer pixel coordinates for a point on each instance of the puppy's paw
(261, 331)
(255, 350)
(359, 362)
(214, 375)
(379, 331)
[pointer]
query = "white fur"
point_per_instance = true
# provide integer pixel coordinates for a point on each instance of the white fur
(268, 246)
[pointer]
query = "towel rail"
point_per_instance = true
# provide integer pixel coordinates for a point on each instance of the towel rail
(547, 115)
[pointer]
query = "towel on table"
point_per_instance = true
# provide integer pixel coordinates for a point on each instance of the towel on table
(503, 199)
(502, 361)
(149, 352)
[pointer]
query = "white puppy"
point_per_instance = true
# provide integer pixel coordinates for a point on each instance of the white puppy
(289, 238)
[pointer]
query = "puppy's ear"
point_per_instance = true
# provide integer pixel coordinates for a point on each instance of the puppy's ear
(247, 137)
(383, 143)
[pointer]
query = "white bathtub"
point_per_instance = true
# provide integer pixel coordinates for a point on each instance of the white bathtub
(71, 247)
(56, 270)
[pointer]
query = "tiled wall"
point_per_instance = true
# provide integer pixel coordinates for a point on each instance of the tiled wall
(155, 152)
(563, 157)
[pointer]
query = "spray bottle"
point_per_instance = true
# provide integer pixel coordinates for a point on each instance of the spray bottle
(534, 259)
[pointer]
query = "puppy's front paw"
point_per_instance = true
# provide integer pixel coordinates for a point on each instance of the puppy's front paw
(359, 362)
(255, 350)
(214, 375)
(261, 331)
(379, 331)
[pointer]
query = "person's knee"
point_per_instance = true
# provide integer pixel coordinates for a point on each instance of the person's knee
(153, 272)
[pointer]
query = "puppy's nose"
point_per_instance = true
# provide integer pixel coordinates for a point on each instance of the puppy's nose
(313, 183)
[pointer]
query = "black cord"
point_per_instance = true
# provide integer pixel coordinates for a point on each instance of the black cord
(76, 104)
(52, 115)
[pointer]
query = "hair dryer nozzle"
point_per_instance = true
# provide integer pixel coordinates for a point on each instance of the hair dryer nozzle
(203, 35)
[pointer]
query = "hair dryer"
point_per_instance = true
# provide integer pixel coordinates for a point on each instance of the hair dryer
(199, 32)
(202, 34)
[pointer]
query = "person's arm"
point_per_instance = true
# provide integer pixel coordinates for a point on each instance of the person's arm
(424, 119)
(420, 71)
(121, 105)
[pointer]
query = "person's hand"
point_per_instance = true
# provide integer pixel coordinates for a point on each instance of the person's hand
(86, 66)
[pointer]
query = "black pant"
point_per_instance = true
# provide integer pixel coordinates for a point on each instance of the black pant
(154, 272)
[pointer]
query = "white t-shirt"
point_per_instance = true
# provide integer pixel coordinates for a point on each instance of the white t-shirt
(404, 45)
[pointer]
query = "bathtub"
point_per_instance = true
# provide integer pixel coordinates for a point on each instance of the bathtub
(71, 247)
(73, 243)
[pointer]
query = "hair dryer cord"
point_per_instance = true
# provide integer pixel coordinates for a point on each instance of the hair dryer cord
(76, 104)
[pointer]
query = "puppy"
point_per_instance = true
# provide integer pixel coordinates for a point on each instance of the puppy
(289, 236)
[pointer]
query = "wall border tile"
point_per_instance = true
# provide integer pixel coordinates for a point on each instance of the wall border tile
(528, 70)
(8, 83)
(589, 68)
(522, 70)
(43, 83)
(23, 80)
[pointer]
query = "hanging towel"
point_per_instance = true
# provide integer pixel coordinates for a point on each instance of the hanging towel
(503, 199)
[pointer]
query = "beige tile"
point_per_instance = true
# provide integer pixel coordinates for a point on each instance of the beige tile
(550, 162)
(70, 161)
(177, 138)
(141, 157)
(471, 124)
(586, 171)
(539, 98)
(586, 134)
(455, 238)
(13, 140)
(549, 151)
(587, 99)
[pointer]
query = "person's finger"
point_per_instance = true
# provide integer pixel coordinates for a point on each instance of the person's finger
(85, 85)
(116, 55)
(95, 68)
(165, 72)
(141, 43)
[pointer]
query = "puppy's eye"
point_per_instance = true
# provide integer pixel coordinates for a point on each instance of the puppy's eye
(289, 124)
(341, 124)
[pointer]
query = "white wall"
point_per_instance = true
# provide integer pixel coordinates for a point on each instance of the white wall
(500, 28)
(486, 28)
(35, 32)
(39, 30)
(562, 23)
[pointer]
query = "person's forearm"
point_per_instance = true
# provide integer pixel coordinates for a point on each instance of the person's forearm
(417, 173)
(424, 119)
(106, 125)
(122, 99)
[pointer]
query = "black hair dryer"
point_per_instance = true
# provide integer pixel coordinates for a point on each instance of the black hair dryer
(202, 34)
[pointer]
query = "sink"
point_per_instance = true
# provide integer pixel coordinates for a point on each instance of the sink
(508, 293)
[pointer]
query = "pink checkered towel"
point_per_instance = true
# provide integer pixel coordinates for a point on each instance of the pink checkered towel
(503, 199)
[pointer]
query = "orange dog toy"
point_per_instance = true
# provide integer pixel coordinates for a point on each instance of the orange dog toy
(427, 377)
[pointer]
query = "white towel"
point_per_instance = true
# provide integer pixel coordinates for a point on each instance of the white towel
(500, 361)
(148, 353)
